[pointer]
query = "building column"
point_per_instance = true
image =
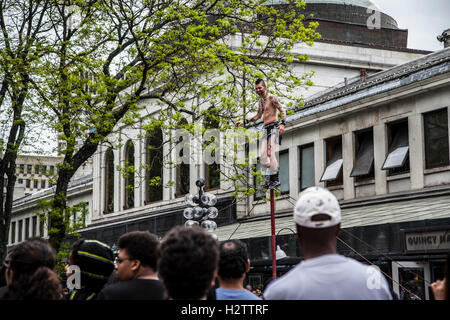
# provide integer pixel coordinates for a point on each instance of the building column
(416, 152)
(119, 194)
(97, 185)
(319, 161)
(167, 172)
(142, 164)
(379, 154)
(347, 156)
(196, 163)
(293, 172)
(138, 185)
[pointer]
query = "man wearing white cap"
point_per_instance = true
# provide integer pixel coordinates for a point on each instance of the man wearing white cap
(324, 274)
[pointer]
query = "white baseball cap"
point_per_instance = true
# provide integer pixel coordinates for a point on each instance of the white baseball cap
(313, 201)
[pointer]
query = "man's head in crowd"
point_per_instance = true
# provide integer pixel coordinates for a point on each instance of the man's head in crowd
(234, 262)
(137, 254)
(317, 215)
(188, 262)
(95, 260)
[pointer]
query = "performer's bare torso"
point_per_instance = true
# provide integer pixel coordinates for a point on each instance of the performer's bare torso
(270, 109)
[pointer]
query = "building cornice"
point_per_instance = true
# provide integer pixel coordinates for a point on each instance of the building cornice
(373, 96)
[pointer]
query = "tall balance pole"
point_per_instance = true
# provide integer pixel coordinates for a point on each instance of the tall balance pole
(272, 220)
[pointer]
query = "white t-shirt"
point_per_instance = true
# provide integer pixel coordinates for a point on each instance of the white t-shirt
(330, 277)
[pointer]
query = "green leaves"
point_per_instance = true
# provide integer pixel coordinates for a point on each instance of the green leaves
(100, 68)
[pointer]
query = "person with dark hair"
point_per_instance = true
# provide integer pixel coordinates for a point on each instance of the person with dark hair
(95, 260)
(268, 107)
(29, 272)
(188, 262)
(136, 269)
(3, 286)
(441, 288)
(324, 274)
(233, 266)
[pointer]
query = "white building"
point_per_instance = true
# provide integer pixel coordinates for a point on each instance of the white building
(26, 222)
(378, 112)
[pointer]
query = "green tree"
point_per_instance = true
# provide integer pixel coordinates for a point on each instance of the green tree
(111, 60)
(22, 44)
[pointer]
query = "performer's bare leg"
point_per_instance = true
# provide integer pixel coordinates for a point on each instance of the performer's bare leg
(269, 159)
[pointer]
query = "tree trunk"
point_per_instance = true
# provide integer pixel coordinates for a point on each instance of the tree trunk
(58, 221)
(8, 168)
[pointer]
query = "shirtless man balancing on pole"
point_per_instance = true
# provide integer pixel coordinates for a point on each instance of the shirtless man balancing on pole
(267, 108)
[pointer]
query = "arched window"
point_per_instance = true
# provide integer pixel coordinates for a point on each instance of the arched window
(183, 171)
(109, 181)
(212, 171)
(129, 179)
(154, 161)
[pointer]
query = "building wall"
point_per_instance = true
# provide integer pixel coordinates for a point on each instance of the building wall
(32, 178)
(331, 63)
(29, 209)
(377, 118)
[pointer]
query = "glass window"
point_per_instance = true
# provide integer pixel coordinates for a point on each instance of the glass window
(28, 183)
(36, 169)
(20, 181)
(20, 230)
(29, 168)
(34, 227)
(307, 178)
(333, 171)
(129, 180)
(44, 170)
(154, 178)
(86, 217)
(183, 169)
(52, 169)
(35, 184)
(436, 139)
(397, 161)
(259, 179)
(363, 167)
(212, 170)
(13, 232)
(284, 171)
(43, 184)
(22, 168)
(41, 227)
(109, 181)
(27, 228)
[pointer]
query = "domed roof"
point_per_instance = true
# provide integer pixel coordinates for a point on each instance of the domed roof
(351, 21)
(358, 3)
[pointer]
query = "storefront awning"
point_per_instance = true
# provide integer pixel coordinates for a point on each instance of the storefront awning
(363, 215)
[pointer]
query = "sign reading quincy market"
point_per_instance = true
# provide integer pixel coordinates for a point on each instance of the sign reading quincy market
(427, 241)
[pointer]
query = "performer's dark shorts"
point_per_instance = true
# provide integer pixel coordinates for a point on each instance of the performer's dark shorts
(269, 129)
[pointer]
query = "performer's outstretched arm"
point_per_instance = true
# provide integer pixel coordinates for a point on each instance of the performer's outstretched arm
(256, 117)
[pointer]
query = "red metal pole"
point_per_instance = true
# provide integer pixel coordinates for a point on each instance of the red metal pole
(272, 220)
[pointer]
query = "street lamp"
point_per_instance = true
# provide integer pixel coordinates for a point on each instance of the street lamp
(280, 254)
(201, 208)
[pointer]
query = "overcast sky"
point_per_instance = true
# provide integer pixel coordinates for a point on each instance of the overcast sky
(424, 19)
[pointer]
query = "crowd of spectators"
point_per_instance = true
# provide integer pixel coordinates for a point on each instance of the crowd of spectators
(190, 264)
